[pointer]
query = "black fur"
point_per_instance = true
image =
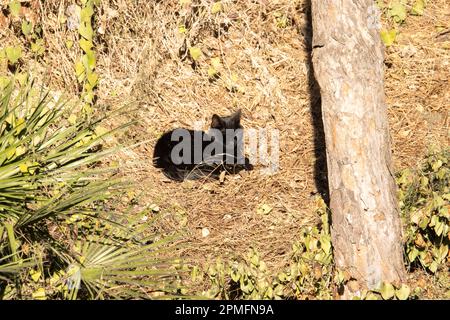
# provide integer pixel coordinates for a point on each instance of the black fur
(203, 168)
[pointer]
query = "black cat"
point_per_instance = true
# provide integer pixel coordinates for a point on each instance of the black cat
(187, 154)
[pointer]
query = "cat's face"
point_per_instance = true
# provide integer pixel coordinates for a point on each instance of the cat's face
(231, 135)
(230, 122)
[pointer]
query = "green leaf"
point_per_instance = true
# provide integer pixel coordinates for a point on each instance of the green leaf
(13, 54)
(92, 79)
(282, 22)
(397, 11)
(282, 277)
(325, 243)
(69, 44)
(380, 4)
(14, 7)
(87, 108)
(215, 62)
(90, 59)
(4, 81)
(264, 209)
(20, 150)
(372, 296)
(434, 219)
(85, 45)
(418, 8)
(424, 223)
(39, 294)
(89, 97)
(35, 275)
(195, 53)
(254, 260)
(23, 168)
(37, 47)
(387, 291)
(86, 14)
(388, 37)
(72, 119)
(216, 7)
(443, 211)
(182, 28)
(211, 72)
(80, 71)
(85, 30)
(87, 87)
(439, 227)
(22, 78)
(424, 182)
(436, 165)
(26, 27)
(412, 254)
(443, 252)
(403, 292)
(442, 173)
(247, 286)
(235, 276)
(433, 266)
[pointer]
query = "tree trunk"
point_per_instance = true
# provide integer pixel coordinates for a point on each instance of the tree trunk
(348, 66)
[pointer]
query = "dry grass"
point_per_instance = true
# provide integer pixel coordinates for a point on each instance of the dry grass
(270, 65)
(418, 86)
(142, 58)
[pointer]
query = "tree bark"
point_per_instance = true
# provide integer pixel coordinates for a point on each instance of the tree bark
(348, 66)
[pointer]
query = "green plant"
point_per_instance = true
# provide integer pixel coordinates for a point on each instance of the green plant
(28, 26)
(85, 66)
(118, 260)
(308, 274)
(386, 291)
(424, 200)
(395, 13)
(60, 236)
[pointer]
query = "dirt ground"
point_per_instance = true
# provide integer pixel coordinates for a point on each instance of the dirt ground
(263, 48)
(269, 66)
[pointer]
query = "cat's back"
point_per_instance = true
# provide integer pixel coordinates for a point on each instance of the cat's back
(163, 151)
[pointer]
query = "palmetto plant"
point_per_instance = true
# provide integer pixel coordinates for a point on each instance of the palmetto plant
(60, 236)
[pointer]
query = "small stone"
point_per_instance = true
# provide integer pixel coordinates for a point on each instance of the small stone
(205, 232)
(154, 208)
(222, 177)
(408, 51)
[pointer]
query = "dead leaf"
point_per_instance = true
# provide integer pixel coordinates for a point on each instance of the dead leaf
(4, 21)
(353, 285)
(29, 14)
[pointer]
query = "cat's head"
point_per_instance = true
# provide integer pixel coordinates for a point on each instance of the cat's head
(229, 122)
(231, 135)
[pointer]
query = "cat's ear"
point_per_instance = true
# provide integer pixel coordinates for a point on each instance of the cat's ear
(236, 118)
(216, 122)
